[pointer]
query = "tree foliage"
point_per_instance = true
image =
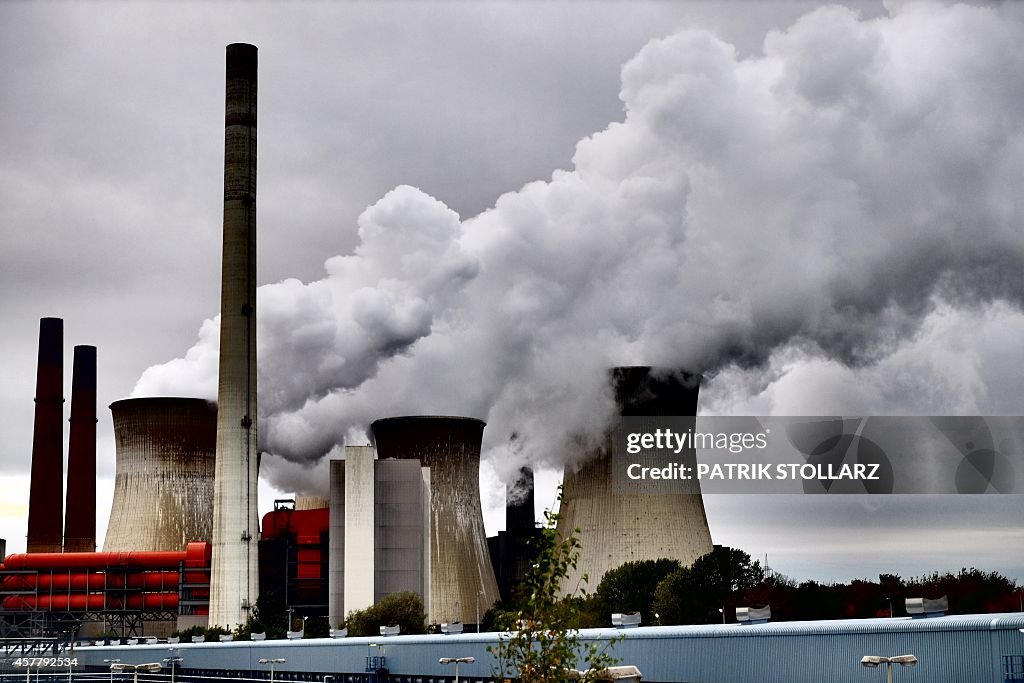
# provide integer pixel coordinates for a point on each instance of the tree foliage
(630, 588)
(403, 609)
(542, 644)
(695, 594)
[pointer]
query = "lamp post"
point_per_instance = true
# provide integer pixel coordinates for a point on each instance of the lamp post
(272, 662)
(873, 661)
(173, 660)
(456, 661)
(135, 668)
(111, 662)
(478, 594)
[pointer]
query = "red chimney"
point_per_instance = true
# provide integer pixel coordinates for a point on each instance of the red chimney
(80, 516)
(45, 503)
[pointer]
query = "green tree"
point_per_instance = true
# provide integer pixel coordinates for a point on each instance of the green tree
(542, 645)
(695, 594)
(403, 609)
(268, 616)
(630, 588)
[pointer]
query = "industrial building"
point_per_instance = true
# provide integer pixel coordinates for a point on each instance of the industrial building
(978, 648)
(380, 525)
(615, 528)
(511, 550)
(293, 557)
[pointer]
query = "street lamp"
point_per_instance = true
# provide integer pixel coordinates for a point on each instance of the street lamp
(478, 594)
(135, 668)
(272, 662)
(456, 661)
(173, 660)
(111, 662)
(873, 661)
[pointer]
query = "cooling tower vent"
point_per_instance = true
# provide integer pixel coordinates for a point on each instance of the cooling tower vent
(754, 615)
(630, 620)
(923, 608)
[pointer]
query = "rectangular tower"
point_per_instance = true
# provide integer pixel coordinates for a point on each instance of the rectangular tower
(234, 581)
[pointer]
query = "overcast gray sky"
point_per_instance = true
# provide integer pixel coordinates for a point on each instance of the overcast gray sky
(473, 208)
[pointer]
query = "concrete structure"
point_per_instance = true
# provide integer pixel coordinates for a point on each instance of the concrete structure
(163, 485)
(234, 584)
(462, 579)
(359, 546)
(615, 528)
(80, 512)
(379, 531)
(46, 504)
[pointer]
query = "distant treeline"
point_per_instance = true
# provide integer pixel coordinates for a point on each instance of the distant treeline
(665, 592)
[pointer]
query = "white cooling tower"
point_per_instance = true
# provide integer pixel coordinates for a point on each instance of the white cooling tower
(615, 528)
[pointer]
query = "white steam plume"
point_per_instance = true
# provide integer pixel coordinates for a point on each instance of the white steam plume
(828, 195)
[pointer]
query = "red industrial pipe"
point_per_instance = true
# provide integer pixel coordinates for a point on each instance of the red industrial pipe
(80, 516)
(92, 581)
(196, 555)
(45, 503)
(92, 601)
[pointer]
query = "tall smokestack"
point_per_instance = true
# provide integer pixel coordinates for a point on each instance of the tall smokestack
(80, 514)
(45, 503)
(234, 581)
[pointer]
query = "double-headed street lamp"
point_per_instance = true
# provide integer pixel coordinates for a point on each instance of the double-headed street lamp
(111, 662)
(150, 667)
(272, 662)
(873, 661)
(456, 661)
(172, 660)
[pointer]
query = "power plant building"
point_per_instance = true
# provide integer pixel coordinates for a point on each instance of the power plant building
(462, 582)
(615, 528)
(379, 531)
(163, 485)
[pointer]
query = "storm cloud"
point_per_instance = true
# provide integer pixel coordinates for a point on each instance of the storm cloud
(823, 198)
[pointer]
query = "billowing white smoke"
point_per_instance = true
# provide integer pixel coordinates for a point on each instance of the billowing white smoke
(821, 199)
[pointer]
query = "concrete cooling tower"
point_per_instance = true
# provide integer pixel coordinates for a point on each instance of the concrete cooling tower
(163, 487)
(615, 528)
(461, 577)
